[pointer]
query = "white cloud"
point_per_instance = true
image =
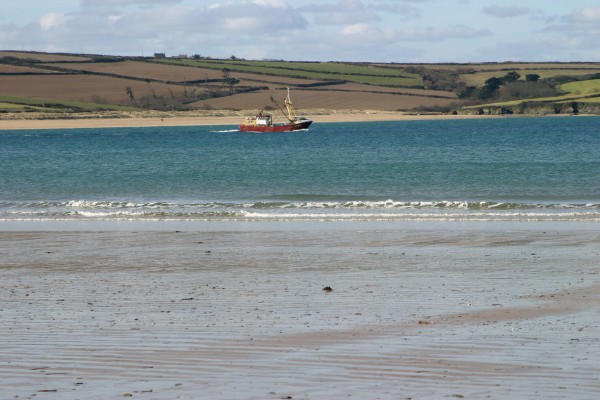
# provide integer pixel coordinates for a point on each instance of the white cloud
(242, 23)
(346, 12)
(245, 18)
(586, 15)
(584, 22)
(113, 19)
(125, 3)
(397, 8)
(560, 48)
(271, 3)
(505, 11)
(355, 29)
(53, 21)
(437, 34)
(351, 30)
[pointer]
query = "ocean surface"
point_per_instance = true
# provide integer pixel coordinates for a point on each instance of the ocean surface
(508, 169)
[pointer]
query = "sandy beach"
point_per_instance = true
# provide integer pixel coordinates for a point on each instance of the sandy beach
(207, 118)
(238, 311)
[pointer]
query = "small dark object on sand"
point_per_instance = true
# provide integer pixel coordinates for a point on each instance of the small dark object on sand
(327, 288)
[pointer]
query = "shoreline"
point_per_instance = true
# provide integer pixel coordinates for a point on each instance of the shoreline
(27, 121)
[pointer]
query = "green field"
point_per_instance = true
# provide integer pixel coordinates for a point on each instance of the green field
(11, 107)
(587, 91)
(582, 88)
(479, 78)
(359, 73)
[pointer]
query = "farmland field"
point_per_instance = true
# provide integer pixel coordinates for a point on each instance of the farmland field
(321, 71)
(327, 99)
(583, 88)
(17, 69)
(44, 57)
(86, 88)
(11, 106)
(143, 70)
(510, 66)
(173, 73)
(361, 87)
(236, 84)
(9, 103)
(479, 78)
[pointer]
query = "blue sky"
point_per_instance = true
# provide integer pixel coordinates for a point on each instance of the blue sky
(310, 30)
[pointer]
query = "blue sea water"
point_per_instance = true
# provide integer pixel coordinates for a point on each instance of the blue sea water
(483, 169)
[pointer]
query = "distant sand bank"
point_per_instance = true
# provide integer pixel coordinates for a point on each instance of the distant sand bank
(206, 118)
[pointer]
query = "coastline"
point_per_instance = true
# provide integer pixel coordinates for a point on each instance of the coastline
(113, 304)
(24, 121)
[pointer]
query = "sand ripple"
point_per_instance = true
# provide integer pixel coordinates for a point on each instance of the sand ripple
(242, 315)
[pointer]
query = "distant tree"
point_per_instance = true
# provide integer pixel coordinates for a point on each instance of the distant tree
(511, 76)
(129, 92)
(494, 82)
(439, 79)
(231, 82)
(228, 80)
(225, 73)
(526, 90)
(489, 89)
(575, 107)
(532, 77)
(467, 93)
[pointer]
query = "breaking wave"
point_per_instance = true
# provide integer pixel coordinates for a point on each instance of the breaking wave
(314, 210)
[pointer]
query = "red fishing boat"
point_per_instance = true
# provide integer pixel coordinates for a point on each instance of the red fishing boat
(265, 122)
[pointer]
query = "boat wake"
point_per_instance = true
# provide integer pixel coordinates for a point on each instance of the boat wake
(226, 131)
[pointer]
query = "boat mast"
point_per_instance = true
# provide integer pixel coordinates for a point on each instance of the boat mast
(290, 115)
(289, 105)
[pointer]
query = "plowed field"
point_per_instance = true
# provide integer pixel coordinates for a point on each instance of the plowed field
(87, 88)
(329, 99)
(178, 73)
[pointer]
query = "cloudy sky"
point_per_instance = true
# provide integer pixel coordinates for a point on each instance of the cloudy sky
(311, 30)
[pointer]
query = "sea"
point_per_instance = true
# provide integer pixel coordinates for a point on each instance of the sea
(500, 169)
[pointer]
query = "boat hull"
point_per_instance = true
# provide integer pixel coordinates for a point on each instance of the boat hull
(296, 126)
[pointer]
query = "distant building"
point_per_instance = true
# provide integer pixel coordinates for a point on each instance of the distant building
(160, 55)
(182, 56)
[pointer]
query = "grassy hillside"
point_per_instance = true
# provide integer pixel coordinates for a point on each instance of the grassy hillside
(31, 81)
(359, 73)
(573, 97)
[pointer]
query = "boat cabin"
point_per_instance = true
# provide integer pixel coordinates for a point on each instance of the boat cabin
(263, 120)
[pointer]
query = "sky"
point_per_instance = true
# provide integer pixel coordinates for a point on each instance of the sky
(423, 31)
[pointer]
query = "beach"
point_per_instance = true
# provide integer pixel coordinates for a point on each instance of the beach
(431, 259)
(299, 310)
(200, 118)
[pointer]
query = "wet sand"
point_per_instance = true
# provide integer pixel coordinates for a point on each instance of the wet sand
(238, 310)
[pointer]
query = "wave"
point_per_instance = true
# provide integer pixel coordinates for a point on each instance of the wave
(324, 203)
(324, 209)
